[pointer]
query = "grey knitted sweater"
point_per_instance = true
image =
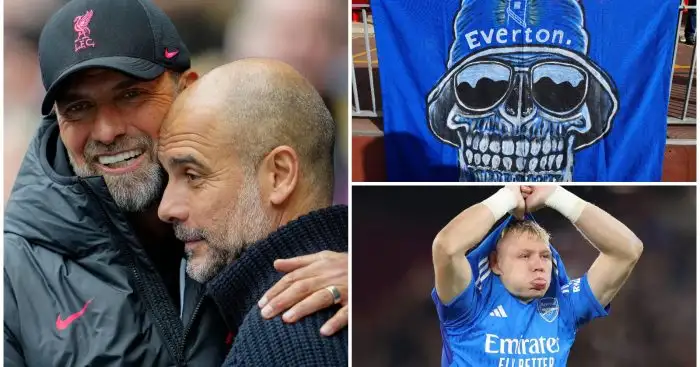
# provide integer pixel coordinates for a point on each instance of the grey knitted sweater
(237, 289)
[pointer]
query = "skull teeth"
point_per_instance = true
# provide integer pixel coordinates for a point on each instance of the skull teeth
(498, 176)
(546, 146)
(495, 147)
(533, 164)
(507, 163)
(522, 148)
(484, 144)
(530, 164)
(508, 147)
(496, 162)
(516, 156)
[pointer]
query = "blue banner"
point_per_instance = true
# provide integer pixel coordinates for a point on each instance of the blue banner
(525, 90)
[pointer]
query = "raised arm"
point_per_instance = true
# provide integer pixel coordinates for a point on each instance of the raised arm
(619, 248)
(466, 230)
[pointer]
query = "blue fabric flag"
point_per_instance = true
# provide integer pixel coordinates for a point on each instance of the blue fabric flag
(525, 90)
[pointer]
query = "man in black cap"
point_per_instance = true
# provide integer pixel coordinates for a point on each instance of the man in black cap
(92, 276)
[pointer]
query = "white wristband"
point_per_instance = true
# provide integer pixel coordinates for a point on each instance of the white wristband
(566, 203)
(501, 203)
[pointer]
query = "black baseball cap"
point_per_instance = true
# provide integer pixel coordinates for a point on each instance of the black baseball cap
(134, 37)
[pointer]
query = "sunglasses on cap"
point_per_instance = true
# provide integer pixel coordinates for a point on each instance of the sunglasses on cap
(557, 87)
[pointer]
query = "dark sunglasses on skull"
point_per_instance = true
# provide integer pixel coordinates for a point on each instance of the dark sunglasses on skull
(558, 87)
(517, 87)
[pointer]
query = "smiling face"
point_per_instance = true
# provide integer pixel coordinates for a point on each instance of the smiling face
(109, 123)
(523, 260)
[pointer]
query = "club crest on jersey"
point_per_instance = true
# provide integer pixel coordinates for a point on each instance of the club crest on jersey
(548, 308)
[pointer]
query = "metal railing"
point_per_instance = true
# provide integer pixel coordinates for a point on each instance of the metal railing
(356, 109)
(689, 87)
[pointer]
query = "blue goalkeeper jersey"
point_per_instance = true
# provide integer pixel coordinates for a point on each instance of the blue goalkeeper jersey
(486, 326)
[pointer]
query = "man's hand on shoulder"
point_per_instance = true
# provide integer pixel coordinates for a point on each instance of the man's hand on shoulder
(303, 290)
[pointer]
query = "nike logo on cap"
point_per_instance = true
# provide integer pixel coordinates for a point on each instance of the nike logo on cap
(170, 55)
(63, 324)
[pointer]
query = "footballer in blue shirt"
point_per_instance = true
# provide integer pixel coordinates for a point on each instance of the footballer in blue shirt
(509, 303)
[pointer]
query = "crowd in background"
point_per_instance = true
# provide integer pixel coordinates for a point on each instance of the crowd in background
(310, 35)
(652, 319)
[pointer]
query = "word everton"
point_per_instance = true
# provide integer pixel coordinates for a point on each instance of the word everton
(515, 36)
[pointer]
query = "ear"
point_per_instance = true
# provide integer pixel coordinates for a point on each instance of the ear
(280, 171)
(187, 78)
(493, 263)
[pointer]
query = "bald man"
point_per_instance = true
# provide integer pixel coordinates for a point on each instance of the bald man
(248, 151)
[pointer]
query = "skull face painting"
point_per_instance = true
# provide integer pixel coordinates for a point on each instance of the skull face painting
(520, 97)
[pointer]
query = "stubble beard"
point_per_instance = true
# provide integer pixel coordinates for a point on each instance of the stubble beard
(133, 191)
(244, 224)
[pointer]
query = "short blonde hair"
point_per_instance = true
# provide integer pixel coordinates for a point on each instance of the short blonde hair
(528, 227)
